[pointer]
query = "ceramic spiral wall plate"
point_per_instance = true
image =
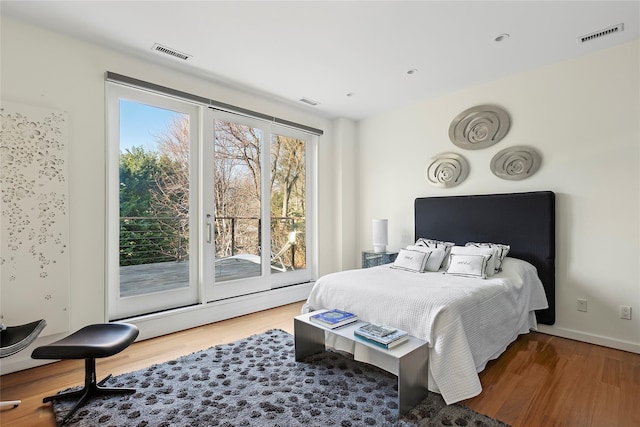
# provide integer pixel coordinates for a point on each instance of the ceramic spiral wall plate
(515, 163)
(479, 127)
(447, 170)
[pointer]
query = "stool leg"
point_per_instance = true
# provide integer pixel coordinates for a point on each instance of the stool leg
(12, 403)
(91, 388)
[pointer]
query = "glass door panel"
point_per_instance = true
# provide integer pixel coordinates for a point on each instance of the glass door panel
(237, 207)
(288, 204)
(154, 199)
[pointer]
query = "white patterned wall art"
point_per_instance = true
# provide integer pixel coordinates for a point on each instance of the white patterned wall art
(35, 216)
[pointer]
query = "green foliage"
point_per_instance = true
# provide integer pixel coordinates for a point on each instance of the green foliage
(138, 171)
(148, 232)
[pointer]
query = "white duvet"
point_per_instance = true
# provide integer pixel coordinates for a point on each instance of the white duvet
(466, 321)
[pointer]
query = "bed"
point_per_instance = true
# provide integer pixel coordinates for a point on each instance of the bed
(466, 321)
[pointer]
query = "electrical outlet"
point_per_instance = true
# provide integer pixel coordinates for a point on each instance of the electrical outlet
(582, 304)
(625, 312)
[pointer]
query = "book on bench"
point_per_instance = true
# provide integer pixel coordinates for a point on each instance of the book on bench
(381, 335)
(333, 319)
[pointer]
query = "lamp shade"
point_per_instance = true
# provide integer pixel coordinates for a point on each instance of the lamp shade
(380, 235)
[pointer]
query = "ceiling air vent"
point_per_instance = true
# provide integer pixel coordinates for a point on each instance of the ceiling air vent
(604, 32)
(309, 101)
(159, 48)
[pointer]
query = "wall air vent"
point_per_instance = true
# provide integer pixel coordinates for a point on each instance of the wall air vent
(167, 50)
(604, 32)
(309, 101)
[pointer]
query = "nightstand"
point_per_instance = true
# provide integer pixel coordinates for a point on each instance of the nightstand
(372, 259)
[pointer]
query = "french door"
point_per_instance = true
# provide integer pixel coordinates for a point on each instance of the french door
(203, 205)
(153, 236)
(261, 203)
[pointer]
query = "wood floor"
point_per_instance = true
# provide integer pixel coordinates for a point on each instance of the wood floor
(540, 380)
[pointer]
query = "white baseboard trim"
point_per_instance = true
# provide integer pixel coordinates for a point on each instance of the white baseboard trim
(155, 325)
(590, 338)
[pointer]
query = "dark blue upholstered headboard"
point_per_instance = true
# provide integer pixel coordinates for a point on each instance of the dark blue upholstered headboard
(525, 221)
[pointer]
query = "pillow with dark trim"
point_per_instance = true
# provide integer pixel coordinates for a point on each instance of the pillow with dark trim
(468, 265)
(500, 249)
(415, 261)
(440, 244)
(435, 259)
(472, 250)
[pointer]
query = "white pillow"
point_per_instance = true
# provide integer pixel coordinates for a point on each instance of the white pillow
(468, 265)
(500, 249)
(472, 250)
(435, 259)
(411, 260)
(438, 244)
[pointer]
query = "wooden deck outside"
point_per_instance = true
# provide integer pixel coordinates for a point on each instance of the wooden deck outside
(164, 276)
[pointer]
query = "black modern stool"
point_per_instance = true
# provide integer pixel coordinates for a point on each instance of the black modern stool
(89, 343)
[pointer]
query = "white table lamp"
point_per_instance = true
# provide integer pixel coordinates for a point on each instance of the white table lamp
(380, 235)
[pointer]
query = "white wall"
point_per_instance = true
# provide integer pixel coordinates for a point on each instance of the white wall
(45, 69)
(583, 115)
(345, 197)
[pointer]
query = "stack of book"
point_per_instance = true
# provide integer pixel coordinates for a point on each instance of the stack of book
(380, 335)
(333, 319)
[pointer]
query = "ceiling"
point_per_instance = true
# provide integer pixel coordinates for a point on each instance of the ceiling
(352, 57)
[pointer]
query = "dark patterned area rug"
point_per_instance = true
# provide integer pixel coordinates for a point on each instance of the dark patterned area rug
(257, 382)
